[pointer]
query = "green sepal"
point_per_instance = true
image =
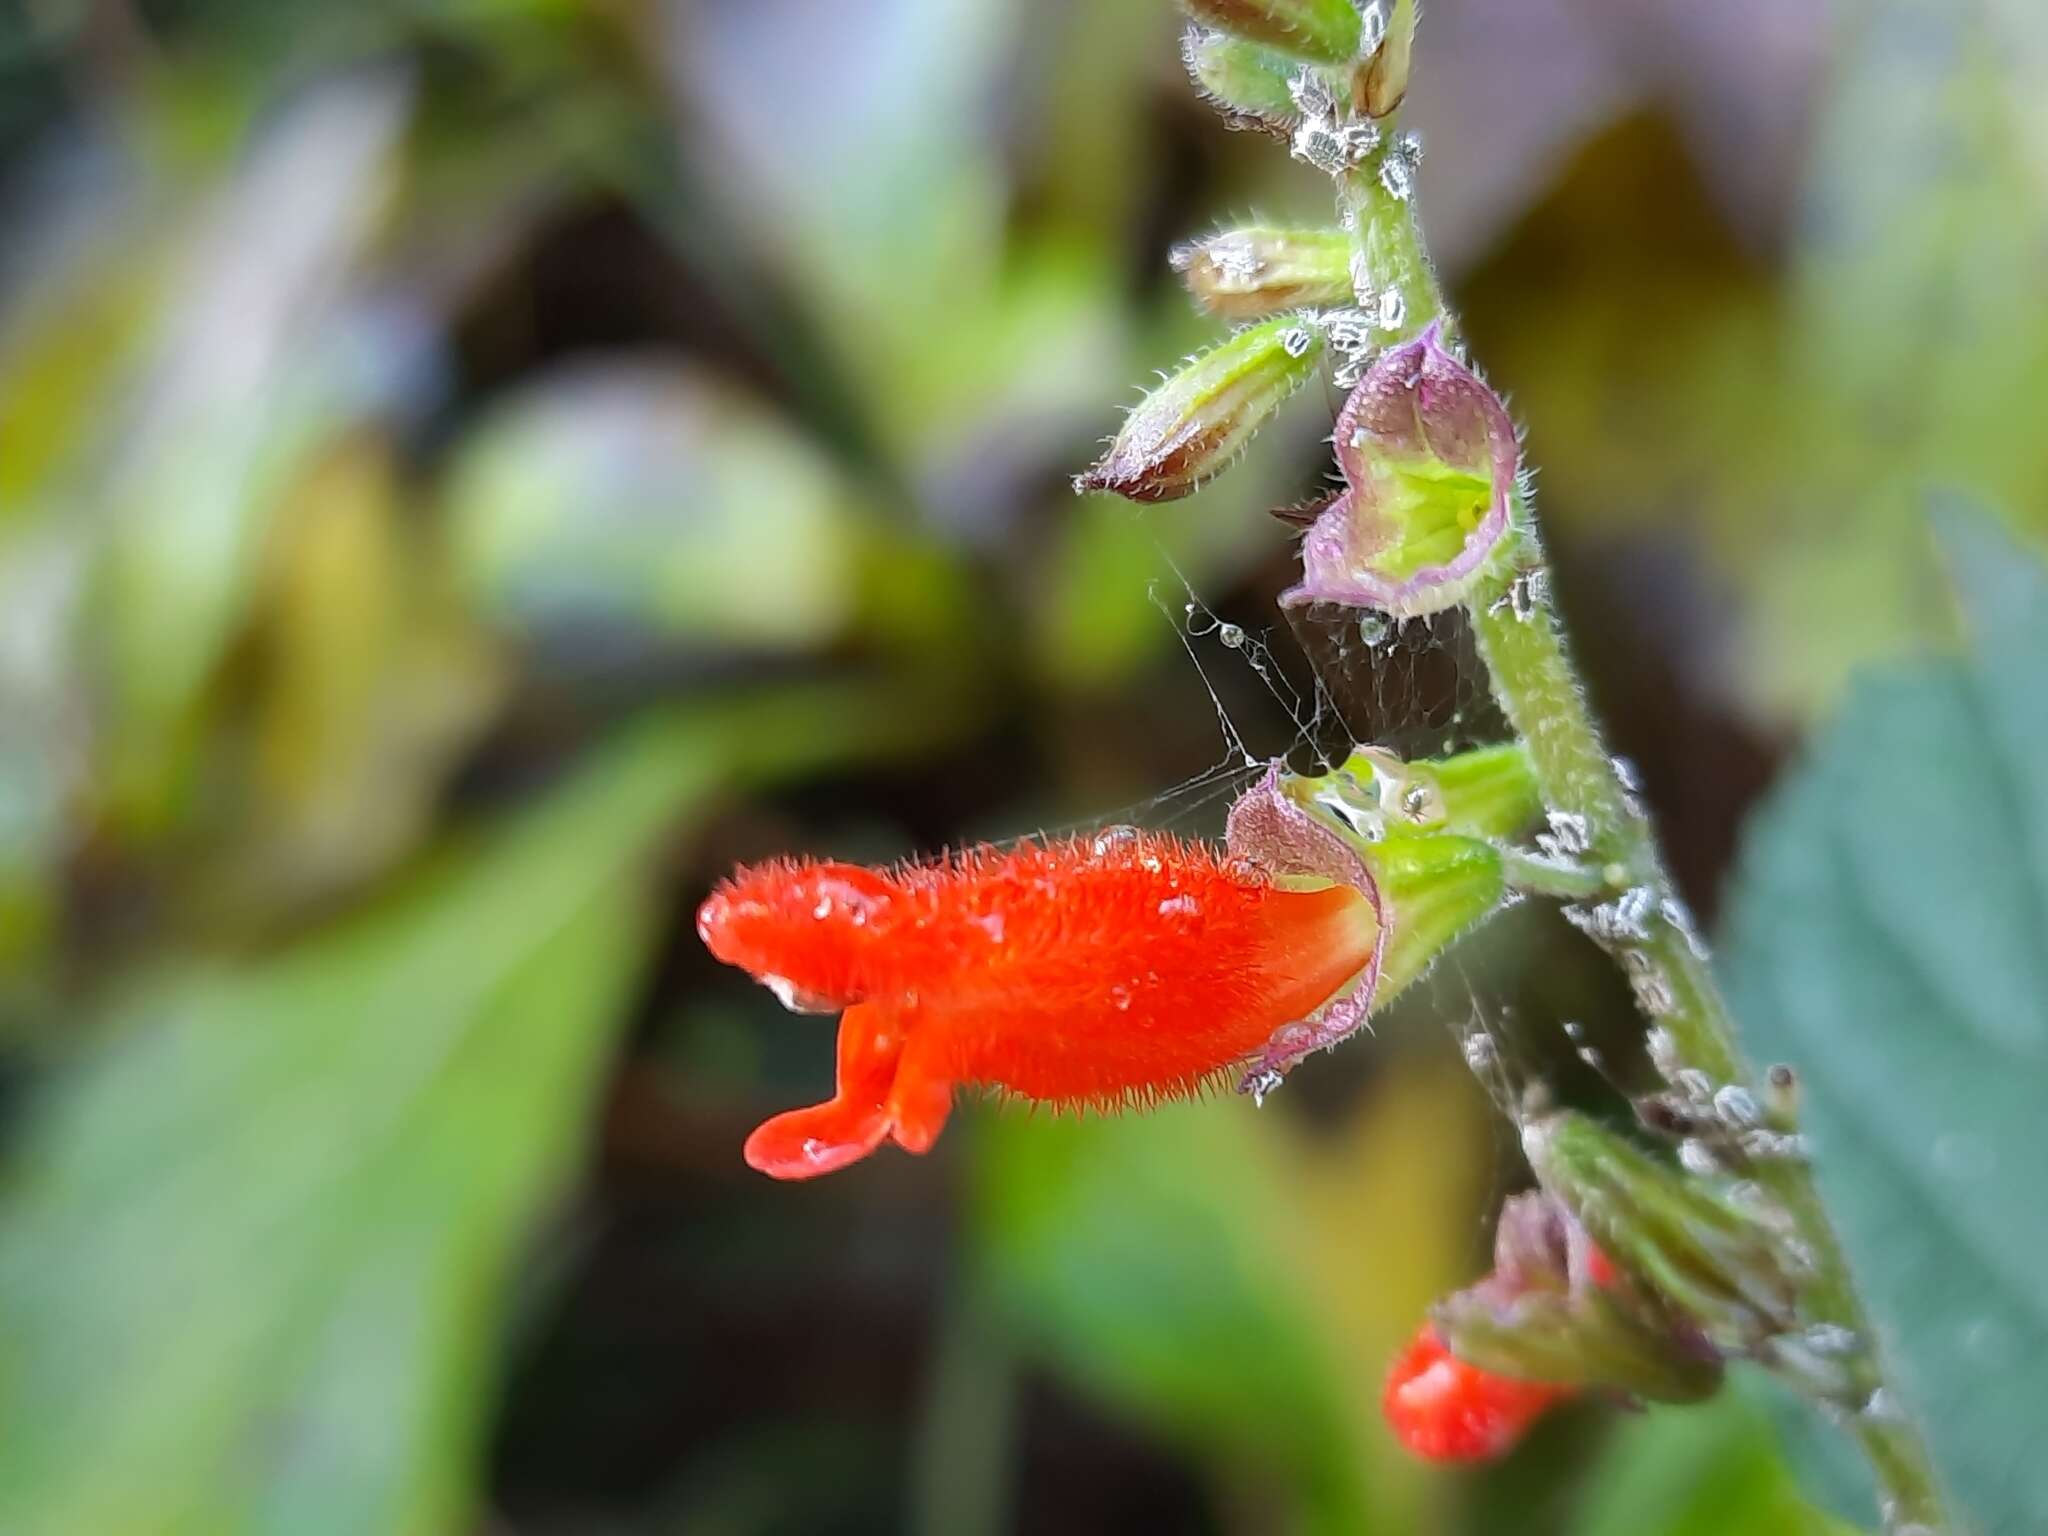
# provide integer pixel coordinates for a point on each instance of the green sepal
(1436, 886)
(1190, 429)
(1716, 1265)
(1555, 1310)
(1586, 1339)
(1242, 79)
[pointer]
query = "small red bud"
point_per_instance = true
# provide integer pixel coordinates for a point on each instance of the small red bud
(1442, 1409)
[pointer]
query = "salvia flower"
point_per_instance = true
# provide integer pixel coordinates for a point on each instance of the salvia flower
(1263, 269)
(1190, 428)
(1429, 457)
(1327, 31)
(1556, 1317)
(1556, 1309)
(1092, 973)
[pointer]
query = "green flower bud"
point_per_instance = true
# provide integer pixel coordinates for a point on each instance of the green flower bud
(1190, 428)
(1327, 31)
(1247, 274)
(1241, 79)
(1554, 1311)
(1715, 1265)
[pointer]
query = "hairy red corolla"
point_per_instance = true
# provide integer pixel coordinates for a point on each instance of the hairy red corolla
(1128, 968)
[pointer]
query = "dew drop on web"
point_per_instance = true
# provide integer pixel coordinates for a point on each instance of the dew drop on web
(1372, 30)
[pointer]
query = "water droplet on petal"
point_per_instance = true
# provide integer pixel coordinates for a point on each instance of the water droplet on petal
(796, 999)
(1109, 839)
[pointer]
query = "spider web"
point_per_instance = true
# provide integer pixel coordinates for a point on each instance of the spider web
(1330, 679)
(1333, 678)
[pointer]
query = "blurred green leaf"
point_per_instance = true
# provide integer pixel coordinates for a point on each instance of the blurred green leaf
(372, 681)
(255, 1252)
(238, 387)
(1790, 426)
(1146, 1252)
(72, 321)
(1712, 1470)
(1233, 1282)
(799, 104)
(637, 497)
(1886, 938)
(254, 1255)
(1916, 349)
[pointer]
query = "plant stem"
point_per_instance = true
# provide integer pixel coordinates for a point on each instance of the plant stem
(1523, 646)
(1596, 817)
(1559, 879)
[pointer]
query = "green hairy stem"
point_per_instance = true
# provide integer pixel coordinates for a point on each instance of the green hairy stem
(1522, 643)
(1601, 825)
(1424, 454)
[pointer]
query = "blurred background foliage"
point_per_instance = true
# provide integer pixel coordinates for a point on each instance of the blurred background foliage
(470, 470)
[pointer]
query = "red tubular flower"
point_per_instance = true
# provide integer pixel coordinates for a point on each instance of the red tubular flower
(1443, 1409)
(1135, 967)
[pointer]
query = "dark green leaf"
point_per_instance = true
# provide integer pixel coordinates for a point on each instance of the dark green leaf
(1888, 939)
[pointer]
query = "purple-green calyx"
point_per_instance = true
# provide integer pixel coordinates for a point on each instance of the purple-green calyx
(1712, 1262)
(1427, 886)
(1555, 1310)
(1429, 457)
